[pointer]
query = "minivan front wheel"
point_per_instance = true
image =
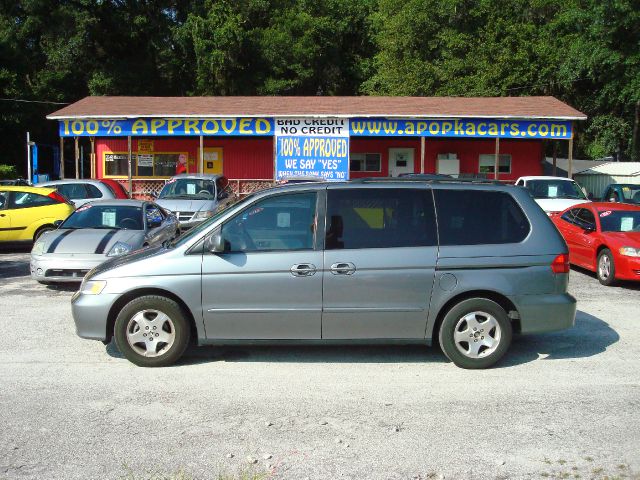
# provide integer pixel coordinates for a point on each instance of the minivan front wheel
(152, 331)
(475, 333)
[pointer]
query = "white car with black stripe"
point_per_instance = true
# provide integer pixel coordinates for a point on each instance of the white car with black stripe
(95, 232)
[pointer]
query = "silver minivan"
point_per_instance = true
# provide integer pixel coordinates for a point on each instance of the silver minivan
(193, 198)
(402, 261)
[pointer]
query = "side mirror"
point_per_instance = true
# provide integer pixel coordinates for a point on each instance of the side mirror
(57, 223)
(154, 223)
(215, 243)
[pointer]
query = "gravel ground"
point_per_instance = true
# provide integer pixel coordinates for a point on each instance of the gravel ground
(562, 405)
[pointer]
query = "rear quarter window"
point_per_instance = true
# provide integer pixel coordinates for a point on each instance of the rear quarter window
(477, 217)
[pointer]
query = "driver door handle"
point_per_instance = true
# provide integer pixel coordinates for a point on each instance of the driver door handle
(303, 270)
(343, 268)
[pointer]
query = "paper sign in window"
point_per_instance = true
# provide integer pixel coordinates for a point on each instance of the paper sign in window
(553, 191)
(626, 224)
(109, 219)
(191, 188)
(284, 220)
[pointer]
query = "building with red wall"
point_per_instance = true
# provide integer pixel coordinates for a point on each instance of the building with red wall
(145, 140)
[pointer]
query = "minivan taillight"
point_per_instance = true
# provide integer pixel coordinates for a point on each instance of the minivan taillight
(560, 264)
(57, 197)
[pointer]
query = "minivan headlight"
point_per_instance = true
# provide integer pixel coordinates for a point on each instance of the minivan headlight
(120, 248)
(203, 215)
(93, 287)
(630, 252)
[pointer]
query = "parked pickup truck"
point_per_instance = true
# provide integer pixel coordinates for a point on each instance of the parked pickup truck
(623, 193)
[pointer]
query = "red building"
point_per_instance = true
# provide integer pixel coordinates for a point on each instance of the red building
(255, 140)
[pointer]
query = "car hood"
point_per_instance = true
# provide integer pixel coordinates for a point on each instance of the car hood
(623, 239)
(89, 240)
(131, 257)
(185, 205)
(557, 204)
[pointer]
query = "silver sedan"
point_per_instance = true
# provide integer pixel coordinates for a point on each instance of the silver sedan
(95, 232)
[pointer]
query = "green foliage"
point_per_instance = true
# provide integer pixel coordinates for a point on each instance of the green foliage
(584, 52)
(8, 172)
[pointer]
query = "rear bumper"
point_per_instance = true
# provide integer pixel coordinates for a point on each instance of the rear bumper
(63, 268)
(91, 313)
(545, 313)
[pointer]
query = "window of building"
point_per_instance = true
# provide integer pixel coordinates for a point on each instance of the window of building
(365, 162)
(488, 161)
(142, 164)
(380, 218)
(476, 217)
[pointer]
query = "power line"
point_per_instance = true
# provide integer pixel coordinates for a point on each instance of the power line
(544, 84)
(32, 101)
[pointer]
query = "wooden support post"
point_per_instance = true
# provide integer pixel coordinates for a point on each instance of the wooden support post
(201, 164)
(77, 157)
(92, 156)
(570, 168)
(61, 157)
(422, 145)
(129, 166)
(497, 159)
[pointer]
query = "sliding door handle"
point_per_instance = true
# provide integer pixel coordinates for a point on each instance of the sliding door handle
(343, 268)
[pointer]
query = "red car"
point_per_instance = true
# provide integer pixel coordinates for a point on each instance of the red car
(116, 187)
(603, 237)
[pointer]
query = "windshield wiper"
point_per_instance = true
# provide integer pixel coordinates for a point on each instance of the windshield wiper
(178, 196)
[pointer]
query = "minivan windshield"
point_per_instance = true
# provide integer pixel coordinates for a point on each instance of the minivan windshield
(192, 188)
(552, 188)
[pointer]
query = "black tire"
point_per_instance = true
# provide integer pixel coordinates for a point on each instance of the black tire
(500, 332)
(41, 230)
(606, 268)
(178, 326)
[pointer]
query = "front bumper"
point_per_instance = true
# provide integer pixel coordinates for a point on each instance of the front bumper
(91, 314)
(545, 313)
(63, 267)
(627, 268)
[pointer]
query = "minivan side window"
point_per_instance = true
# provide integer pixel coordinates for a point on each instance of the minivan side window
(379, 218)
(283, 222)
(475, 217)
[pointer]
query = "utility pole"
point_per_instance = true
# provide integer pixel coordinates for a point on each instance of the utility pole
(29, 145)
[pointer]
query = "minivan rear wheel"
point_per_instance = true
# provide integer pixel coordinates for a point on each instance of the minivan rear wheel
(475, 333)
(152, 331)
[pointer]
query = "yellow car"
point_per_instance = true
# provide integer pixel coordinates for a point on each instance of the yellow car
(28, 212)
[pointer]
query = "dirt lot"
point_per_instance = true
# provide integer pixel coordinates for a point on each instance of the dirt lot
(562, 405)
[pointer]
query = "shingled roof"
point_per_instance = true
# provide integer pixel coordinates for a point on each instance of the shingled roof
(399, 107)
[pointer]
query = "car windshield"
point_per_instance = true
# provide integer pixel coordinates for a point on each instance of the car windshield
(197, 230)
(106, 216)
(189, 188)
(555, 189)
(620, 221)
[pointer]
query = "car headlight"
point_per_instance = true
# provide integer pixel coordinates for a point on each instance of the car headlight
(38, 248)
(120, 248)
(203, 215)
(93, 287)
(630, 252)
